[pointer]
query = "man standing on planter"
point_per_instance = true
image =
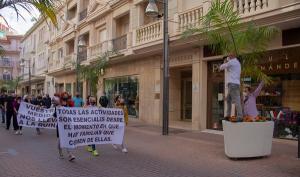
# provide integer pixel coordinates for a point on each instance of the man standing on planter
(233, 75)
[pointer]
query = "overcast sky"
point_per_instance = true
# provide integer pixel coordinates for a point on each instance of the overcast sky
(18, 24)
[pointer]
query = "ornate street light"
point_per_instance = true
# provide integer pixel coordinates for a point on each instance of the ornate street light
(152, 11)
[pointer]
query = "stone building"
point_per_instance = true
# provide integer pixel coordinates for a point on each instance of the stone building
(196, 86)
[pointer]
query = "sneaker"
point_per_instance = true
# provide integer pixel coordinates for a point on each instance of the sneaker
(89, 148)
(61, 156)
(95, 153)
(20, 132)
(115, 146)
(124, 150)
(17, 132)
(71, 158)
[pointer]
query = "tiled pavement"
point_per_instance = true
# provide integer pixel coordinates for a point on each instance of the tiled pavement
(182, 154)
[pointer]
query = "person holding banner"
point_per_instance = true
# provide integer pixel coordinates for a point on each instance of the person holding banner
(39, 102)
(119, 103)
(92, 148)
(63, 101)
(16, 105)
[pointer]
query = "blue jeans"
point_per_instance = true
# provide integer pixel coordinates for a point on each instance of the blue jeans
(234, 97)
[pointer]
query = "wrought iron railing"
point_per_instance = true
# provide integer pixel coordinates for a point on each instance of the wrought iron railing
(120, 43)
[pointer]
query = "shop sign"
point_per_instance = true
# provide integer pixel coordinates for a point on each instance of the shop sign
(281, 61)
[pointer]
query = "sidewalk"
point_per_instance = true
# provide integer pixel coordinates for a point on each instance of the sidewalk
(181, 154)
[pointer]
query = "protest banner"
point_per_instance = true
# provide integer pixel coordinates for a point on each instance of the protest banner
(33, 116)
(86, 126)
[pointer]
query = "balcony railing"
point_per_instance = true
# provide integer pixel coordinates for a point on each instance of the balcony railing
(82, 55)
(245, 7)
(120, 43)
(83, 14)
(98, 49)
(190, 19)
(150, 32)
(6, 63)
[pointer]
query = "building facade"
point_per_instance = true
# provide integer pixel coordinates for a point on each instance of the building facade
(10, 43)
(34, 58)
(135, 72)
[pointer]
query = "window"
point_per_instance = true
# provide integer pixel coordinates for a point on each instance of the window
(7, 75)
(71, 13)
(60, 53)
(102, 36)
(128, 88)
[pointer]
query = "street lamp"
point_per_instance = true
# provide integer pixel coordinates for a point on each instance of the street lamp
(152, 11)
(81, 43)
(29, 72)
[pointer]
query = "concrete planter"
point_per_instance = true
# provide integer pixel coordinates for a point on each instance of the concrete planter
(248, 139)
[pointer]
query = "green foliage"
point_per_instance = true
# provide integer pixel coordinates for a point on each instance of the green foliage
(10, 85)
(93, 72)
(223, 28)
(45, 7)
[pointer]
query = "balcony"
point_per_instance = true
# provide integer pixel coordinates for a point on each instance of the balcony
(97, 50)
(251, 7)
(82, 55)
(83, 14)
(149, 32)
(190, 19)
(5, 63)
(120, 43)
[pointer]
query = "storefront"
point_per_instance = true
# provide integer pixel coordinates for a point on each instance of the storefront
(128, 88)
(279, 101)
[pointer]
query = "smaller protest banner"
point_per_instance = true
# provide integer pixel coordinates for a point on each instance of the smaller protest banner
(33, 116)
(86, 126)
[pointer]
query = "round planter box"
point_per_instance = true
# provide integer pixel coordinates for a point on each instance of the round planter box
(248, 139)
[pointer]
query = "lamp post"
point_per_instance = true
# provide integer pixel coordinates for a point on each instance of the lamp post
(29, 72)
(81, 43)
(152, 11)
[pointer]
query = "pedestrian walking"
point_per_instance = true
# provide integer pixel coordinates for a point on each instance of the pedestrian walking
(63, 101)
(233, 75)
(119, 103)
(47, 101)
(78, 101)
(39, 102)
(16, 105)
(2, 107)
(9, 108)
(92, 148)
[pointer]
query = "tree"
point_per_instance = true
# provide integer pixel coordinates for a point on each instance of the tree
(45, 7)
(93, 72)
(226, 34)
(10, 85)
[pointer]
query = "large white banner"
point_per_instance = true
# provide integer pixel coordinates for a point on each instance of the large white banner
(30, 115)
(86, 126)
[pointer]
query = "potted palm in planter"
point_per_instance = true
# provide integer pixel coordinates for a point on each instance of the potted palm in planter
(227, 33)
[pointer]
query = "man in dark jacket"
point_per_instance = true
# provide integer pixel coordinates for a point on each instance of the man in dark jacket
(47, 101)
(9, 108)
(2, 107)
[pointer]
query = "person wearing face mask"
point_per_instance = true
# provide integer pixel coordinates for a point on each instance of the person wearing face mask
(250, 96)
(92, 148)
(78, 102)
(63, 101)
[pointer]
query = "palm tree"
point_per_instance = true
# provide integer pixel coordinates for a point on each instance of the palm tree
(226, 34)
(45, 7)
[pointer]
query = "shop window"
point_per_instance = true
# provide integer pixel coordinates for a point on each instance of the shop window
(127, 87)
(291, 36)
